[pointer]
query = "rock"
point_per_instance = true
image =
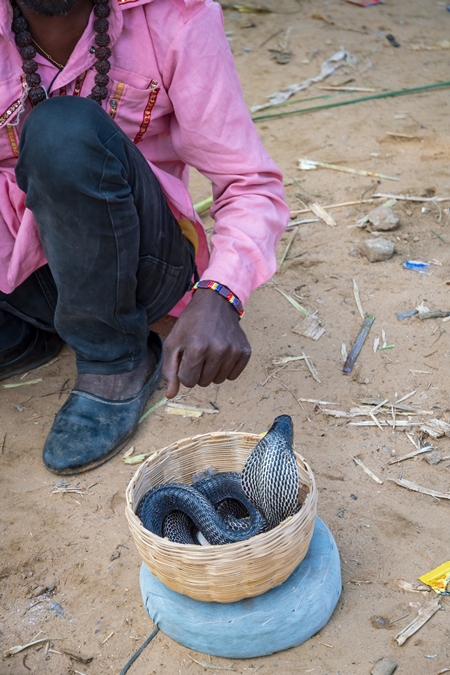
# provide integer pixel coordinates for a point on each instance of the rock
(384, 666)
(377, 249)
(383, 219)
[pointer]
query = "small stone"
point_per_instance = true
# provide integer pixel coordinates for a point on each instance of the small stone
(433, 458)
(378, 249)
(384, 666)
(383, 219)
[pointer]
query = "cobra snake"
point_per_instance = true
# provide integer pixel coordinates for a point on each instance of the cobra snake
(229, 507)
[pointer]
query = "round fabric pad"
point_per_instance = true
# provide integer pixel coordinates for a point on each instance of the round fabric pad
(284, 617)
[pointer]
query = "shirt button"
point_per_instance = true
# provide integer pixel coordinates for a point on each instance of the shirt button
(92, 49)
(113, 103)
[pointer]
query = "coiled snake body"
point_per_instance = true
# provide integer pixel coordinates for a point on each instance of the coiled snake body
(230, 507)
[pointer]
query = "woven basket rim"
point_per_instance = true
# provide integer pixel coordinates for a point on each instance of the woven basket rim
(130, 509)
(228, 572)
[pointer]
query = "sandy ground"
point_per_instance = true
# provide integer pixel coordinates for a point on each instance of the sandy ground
(69, 568)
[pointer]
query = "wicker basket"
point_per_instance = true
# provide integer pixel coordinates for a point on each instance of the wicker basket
(219, 573)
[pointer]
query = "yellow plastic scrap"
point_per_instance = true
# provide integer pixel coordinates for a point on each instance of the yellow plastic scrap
(438, 579)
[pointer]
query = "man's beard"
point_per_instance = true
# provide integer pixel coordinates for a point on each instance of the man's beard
(50, 7)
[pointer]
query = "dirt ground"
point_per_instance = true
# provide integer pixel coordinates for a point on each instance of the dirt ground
(69, 568)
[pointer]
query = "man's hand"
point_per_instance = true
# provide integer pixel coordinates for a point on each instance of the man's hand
(206, 344)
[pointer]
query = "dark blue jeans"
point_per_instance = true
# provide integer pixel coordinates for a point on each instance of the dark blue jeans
(117, 259)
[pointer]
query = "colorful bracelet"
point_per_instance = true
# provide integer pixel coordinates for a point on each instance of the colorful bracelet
(224, 292)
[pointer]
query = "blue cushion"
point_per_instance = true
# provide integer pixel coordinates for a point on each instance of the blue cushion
(284, 617)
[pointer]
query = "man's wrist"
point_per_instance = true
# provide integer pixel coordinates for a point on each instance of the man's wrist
(223, 291)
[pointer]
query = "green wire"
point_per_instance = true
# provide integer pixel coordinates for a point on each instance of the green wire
(387, 94)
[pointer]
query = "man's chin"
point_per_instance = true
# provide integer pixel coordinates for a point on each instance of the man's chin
(50, 7)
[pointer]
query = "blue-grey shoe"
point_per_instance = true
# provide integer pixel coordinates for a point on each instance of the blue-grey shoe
(37, 348)
(89, 429)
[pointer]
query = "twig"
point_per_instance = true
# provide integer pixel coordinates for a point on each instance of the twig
(384, 423)
(286, 250)
(316, 401)
(21, 384)
(335, 206)
(76, 656)
(427, 448)
(20, 648)
(323, 215)
(358, 344)
(154, 407)
(284, 360)
(293, 302)
(311, 368)
(424, 614)
(272, 374)
(291, 392)
(181, 406)
(331, 88)
(109, 636)
(358, 300)
(411, 393)
(45, 365)
(210, 665)
(407, 198)
(308, 164)
(366, 470)
(3, 444)
(418, 488)
(306, 221)
(375, 420)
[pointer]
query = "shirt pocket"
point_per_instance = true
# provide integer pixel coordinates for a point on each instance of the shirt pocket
(136, 108)
(10, 104)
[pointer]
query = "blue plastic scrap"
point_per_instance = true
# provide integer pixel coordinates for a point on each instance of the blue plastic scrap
(417, 266)
(407, 314)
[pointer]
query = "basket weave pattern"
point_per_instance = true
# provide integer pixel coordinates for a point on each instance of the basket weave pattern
(219, 573)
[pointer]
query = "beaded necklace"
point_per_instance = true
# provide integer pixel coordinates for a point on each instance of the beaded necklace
(24, 41)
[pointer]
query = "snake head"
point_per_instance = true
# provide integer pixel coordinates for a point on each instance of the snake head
(283, 425)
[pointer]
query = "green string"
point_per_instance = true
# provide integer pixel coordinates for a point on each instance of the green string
(387, 94)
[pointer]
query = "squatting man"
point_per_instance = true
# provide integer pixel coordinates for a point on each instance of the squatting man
(104, 104)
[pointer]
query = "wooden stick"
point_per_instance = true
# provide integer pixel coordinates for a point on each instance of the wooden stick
(418, 488)
(406, 198)
(358, 344)
(312, 368)
(358, 300)
(427, 448)
(331, 88)
(337, 206)
(424, 614)
(323, 215)
(367, 470)
(20, 648)
(345, 169)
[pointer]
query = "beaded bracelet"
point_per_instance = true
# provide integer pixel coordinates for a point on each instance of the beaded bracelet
(224, 292)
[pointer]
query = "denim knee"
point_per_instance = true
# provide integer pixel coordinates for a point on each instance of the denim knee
(57, 139)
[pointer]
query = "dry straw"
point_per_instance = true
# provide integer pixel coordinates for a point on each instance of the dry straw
(219, 573)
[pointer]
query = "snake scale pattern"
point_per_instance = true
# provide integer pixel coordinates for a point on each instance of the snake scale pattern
(230, 507)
